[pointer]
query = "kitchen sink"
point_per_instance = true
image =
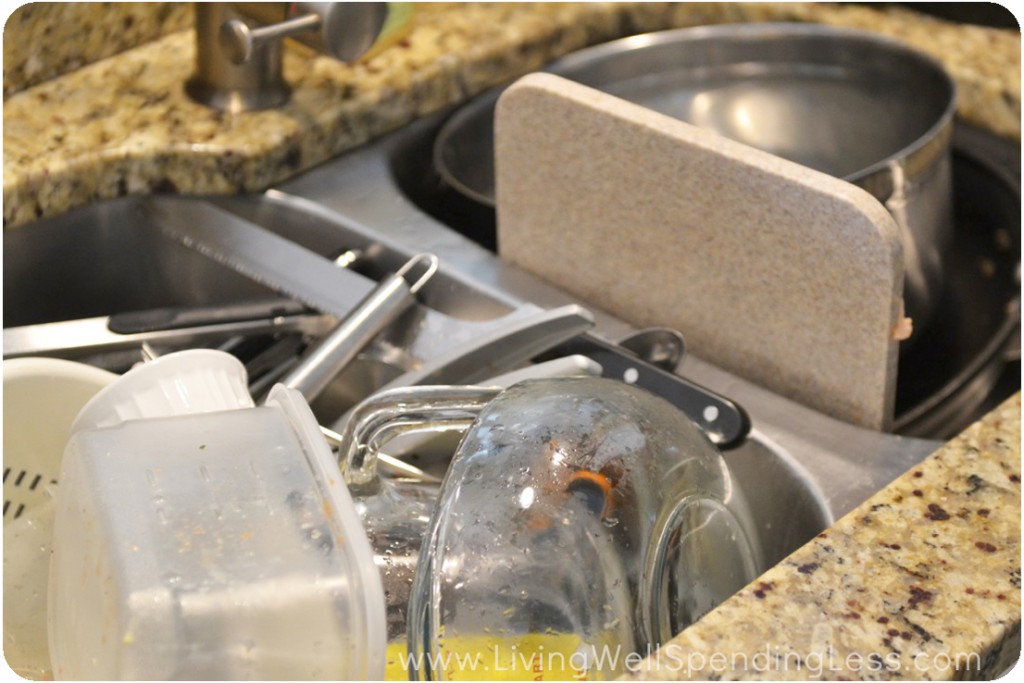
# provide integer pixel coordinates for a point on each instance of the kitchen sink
(112, 258)
(800, 470)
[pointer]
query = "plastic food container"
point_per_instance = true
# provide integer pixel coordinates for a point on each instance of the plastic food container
(200, 537)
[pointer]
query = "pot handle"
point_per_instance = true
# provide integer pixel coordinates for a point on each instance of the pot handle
(404, 410)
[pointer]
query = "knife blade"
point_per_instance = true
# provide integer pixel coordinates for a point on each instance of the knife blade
(261, 255)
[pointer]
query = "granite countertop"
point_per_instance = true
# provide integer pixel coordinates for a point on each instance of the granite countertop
(929, 566)
(123, 125)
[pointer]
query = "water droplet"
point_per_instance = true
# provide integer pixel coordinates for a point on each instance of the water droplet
(610, 521)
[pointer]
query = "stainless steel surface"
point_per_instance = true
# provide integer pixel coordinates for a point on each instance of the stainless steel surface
(76, 339)
(219, 82)
(501, 348)
(661, 346)
(239, 51)
(105, 259)
(115, 257)
(950, 373)
(175, 317)
(389, 299)
(238, 40)
(847, 103)
(347, 29)
(262, 255)
(148, 352)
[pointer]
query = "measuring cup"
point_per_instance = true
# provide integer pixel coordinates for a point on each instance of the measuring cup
(580, 521)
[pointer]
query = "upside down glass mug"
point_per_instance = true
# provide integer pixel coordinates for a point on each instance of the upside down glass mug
(581, 520)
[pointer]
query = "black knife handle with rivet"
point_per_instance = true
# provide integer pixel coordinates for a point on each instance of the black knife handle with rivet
(726, 423)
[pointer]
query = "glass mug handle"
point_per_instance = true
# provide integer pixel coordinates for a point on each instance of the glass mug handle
(404, 410)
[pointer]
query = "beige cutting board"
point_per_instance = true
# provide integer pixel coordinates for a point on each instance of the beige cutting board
(781, 274)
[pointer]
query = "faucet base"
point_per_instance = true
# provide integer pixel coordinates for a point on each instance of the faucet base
(235, 100)
(229, 85)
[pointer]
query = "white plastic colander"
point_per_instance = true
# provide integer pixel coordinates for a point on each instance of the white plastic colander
(42, 397)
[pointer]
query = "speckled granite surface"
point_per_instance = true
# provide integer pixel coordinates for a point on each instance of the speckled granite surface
(922, 581)
(43, 40)
(124, 125)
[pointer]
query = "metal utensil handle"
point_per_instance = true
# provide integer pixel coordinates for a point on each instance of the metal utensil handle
(404, 410)
(376, 311)
(177, 317)
(239, 41)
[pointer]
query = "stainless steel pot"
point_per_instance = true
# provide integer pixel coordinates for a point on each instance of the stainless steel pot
(852, 104)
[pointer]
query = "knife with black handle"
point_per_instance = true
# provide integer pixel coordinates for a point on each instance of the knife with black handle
(726, 423)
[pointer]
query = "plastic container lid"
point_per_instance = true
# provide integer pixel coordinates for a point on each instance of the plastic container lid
(182, 383)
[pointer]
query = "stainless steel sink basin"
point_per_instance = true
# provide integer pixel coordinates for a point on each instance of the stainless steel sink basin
(110, 258)
(799, 469)
(113, 259)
